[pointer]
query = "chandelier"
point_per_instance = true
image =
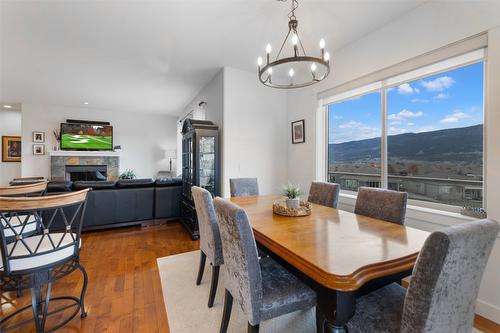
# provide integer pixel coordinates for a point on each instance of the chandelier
(298, 70)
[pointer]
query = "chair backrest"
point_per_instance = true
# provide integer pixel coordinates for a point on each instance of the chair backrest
(242, 274)
(24, 190)
(210, 242)
(326, 194)
(445, 283)
(381, 204)
(17, 212)
(243, 186)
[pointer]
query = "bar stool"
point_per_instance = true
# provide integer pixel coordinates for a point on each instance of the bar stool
(35, 262)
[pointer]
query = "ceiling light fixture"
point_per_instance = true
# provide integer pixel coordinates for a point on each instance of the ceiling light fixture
(315, 70)
(86, 103)
(7, 106)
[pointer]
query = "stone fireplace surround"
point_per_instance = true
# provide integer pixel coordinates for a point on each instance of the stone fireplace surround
(60, 159)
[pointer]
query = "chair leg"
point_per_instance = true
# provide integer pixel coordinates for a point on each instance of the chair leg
(253, 329)
(83, 313)
(226, 314)
(203, 258)
(320, 321)
(213, 287)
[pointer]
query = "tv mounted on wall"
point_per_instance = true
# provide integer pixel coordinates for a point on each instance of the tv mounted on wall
(86, 136)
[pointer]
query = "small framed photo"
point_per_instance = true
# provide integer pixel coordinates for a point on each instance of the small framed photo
(38, 149)
(298, 131)
(38, 137)
(11, 149)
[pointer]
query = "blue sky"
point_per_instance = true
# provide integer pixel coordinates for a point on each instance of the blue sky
(446, 100)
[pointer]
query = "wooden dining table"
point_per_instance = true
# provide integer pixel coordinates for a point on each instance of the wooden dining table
(339, 254)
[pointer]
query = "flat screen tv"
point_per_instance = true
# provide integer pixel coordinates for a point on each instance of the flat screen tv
(80, 136)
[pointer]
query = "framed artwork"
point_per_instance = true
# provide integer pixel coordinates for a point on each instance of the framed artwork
(38, 137)
(38, 149)
(298, 131)
(11, 149)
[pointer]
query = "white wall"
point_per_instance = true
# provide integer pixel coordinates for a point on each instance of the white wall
(428, 27)
(10, 125)
(143, 138)
(255, 127)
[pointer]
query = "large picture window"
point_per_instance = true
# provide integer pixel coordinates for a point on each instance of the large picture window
(431, 144)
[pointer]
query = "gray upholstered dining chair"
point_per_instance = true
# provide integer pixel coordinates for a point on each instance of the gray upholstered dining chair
(243, 186)
(381, 204)
(443, 289)
(263, 288)
(210, 243)
(326, 194)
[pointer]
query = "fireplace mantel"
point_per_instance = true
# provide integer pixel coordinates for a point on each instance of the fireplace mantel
(83, 153)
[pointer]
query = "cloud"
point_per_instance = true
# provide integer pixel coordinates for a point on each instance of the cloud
(419, 100)
(441, 96)
(455, 117)
(406, 89)
(396, 122)
(396, 130)
(405, 114)
(352, 131)
(337, 117)
(410, 124)
(438, 84)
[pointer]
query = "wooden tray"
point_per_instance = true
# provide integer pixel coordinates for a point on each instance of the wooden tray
(279, 207)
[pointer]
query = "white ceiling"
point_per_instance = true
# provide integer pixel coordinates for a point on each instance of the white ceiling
(154, 56)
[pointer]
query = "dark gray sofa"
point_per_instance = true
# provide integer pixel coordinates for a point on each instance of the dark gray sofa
(125, 202)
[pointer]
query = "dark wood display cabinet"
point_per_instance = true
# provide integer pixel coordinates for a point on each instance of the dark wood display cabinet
(200, 167)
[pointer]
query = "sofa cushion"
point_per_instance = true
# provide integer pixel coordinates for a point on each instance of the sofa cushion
(168, 181)
(60, 186)
(95, 185)
(129, 183)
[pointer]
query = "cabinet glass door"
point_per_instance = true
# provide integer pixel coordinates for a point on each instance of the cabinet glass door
(207, 163)
(187, 165)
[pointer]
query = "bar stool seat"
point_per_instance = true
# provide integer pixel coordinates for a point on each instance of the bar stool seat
(44, 244)
(17, 223)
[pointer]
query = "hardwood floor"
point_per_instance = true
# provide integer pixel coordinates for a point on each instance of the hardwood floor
(124, 293)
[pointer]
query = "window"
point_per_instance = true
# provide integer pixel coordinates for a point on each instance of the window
(431, 144)
(354, 131)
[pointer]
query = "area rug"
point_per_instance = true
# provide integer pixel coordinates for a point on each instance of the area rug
(186, 303)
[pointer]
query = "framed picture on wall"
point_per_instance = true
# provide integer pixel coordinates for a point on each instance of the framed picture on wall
(298, 131)
(38, 137)
(38, 149)
(11, 149)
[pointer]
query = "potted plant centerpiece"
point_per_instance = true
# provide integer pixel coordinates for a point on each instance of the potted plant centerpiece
(292, 192)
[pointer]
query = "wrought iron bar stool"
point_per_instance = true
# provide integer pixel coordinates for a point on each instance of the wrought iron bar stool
(29, 190)
(36, 261)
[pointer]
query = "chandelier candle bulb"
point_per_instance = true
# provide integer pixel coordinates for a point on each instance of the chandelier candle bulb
(322, 43)
(259, 61)
(327, 56)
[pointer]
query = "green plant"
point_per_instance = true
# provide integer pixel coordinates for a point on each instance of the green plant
(128, 174)
(292, 191)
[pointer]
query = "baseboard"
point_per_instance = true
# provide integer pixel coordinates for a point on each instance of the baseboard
(488, 311)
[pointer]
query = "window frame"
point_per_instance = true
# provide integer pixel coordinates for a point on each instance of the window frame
(382, 86)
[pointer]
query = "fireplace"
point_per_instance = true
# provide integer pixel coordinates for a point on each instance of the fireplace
(86, 172)
(84, 165)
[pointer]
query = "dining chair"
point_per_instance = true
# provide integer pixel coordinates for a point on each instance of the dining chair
(210, 242)
(263, 288)
(243, 186)
(325, 194)
(35, 262)
(443, 290)
(381, 204)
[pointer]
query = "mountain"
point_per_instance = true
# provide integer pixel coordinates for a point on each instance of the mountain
(455, 144)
